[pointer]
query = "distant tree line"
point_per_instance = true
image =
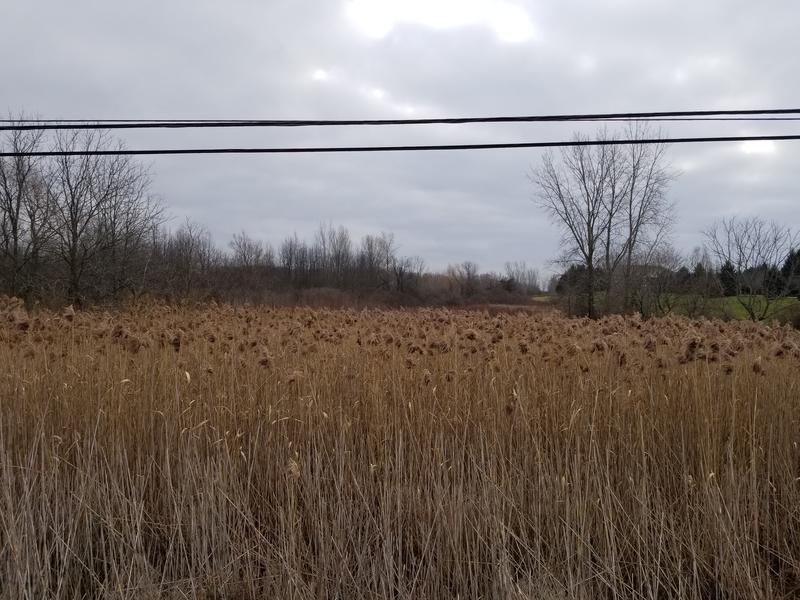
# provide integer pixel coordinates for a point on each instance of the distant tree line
(329, 269)
(87, 229)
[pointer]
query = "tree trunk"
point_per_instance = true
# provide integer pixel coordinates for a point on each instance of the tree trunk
(590, 285)
(626, 285)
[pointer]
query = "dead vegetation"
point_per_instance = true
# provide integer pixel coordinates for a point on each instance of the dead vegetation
(222, 452)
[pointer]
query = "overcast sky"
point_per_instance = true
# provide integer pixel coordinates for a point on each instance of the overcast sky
(301, 59)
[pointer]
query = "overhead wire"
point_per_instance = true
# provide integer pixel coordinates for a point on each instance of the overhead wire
(401, 148)
(692, 115)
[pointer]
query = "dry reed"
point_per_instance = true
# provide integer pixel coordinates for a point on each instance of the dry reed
(222, 452)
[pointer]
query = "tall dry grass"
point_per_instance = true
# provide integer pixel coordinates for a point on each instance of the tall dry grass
(219, 452)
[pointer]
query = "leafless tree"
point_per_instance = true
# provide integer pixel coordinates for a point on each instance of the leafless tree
(614, 204)
(647, 212)
(250, 267)
(376, 256)
(610, 204)
(128, 223)
(374, 261)
(194, 254)
(465, 276)
(698, 283)
(667, 281)
(387, 252)
(526, 278)
(289, 256)
(573, 189)
(658, 286)
(341, 253)
(407, 271)
(24, 213)
(639, 215)
(100, 205)
(756, 249)
(369, 260)
(248, 252)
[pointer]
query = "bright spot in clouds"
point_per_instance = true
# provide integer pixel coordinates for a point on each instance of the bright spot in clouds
(679, 75)
(376, 18)
(373, 92)
(701, 67)
(587, 63)
(758, 147)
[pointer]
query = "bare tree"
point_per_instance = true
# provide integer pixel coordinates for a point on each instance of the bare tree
(247, 252)
(639, 215)
(369, 261)
(99, 203)
(128, 222)
(610, 204)
(387, 253)
(647, 211)
(697, 283)
(526, 278)
(341, 253)
(659, 292)
(289, 257)
(756, 249)
(24, 213)
(574, 192)
(376, 259)
(465, 275)
(190, 255)
(614, 204)
(407, 271)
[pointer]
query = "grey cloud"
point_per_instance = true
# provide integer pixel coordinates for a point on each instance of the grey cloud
(196, 59)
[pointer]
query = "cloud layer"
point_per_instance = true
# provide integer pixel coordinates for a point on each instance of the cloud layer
(386, 58)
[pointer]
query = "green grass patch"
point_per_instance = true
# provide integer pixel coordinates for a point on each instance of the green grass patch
(732, 307)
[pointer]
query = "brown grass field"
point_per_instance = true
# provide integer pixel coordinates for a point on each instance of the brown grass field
(222, 452)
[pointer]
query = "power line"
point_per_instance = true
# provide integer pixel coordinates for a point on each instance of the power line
(65, 124)
(410, 148)
(81, 124)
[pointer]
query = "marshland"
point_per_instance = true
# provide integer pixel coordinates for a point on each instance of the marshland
(216, 451)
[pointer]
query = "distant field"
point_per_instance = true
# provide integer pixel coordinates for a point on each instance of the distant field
(730, 307)
(222, 452)
(780, 308)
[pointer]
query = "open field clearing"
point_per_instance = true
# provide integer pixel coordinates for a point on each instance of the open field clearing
(221, 452)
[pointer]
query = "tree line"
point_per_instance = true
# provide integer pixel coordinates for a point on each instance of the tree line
(611, 205)
(88, 229)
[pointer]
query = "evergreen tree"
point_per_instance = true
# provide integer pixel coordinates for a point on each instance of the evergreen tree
(727, 279)
(791, 271)
(774, 282)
